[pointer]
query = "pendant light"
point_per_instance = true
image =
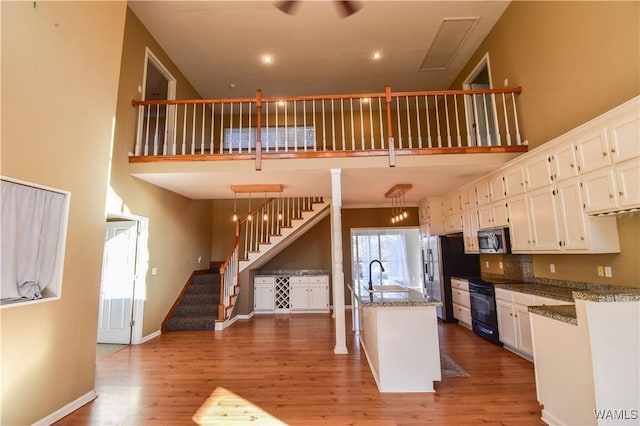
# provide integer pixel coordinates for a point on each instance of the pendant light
(249, 218)
(235, 210)
(265, 216)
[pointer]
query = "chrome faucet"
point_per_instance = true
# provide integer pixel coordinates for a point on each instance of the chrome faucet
(381, 271)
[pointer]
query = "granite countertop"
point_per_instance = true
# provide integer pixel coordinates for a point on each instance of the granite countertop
(564, 313)
(544, 290)
(608, 295)
(389, 299)
(291, 272)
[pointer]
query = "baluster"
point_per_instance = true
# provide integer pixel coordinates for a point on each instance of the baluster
(267, 127)
(155, 132)
(333, 125)
(515, 119)
(174, 124)
(426, 113)
(221, 128)
(506, 119)
(381, 125)
(231, 129)
(475, 115)
(313, 112)
(286, 127)
(166, 130)
(435, 101)
(361, 124)
(193, 128)
(446, 112)
(250, 138)
(213, 107)
(184, 130)
(371, 124)
(202, 135)
(353, 134)
(455, 102)
(418, 124)
(240, 127)
(409, 136)
(342, 123)
(486, 119)
(295, 126)
(146, 119)
(399, 126)
(495, 120)
(246, 240)
(324, 131)
(277, 133)
(304, 123)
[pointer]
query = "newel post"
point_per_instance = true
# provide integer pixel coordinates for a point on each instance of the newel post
(392, 152)
(259, 129)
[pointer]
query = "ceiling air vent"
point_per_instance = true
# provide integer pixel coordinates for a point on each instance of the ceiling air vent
(449, 38)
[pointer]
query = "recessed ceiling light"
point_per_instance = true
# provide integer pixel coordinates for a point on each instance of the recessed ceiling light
(267, 59)
(376, 55)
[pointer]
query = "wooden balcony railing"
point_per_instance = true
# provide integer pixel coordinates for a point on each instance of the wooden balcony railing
(449, 121)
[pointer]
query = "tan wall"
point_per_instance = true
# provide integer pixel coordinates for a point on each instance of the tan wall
(60, 66)
(179, 228)
(574, 61)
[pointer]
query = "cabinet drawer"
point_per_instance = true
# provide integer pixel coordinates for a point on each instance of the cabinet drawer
(524, 299)
(502, 294)
(461, 297)
(298, 280)
(462, 314)
(263, 280)
(317, 279)
(460, 284)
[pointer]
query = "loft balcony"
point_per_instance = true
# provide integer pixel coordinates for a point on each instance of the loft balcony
(473, 129)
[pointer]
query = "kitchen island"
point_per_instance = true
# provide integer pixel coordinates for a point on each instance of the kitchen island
(398, 330)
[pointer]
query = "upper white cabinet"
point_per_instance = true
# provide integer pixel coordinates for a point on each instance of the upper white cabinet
(624, 138)
(513, 180)
(592, 150)
(537, 172)
(470, 230)
(563, 162)
(483, 194)
(496, 188)
(431, 217)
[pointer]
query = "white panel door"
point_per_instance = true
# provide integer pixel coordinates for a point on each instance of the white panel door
(116, 286)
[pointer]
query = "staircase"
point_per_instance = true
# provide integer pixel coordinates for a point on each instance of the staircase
(197, 308)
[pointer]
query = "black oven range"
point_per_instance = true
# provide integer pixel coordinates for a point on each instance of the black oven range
(484, 317)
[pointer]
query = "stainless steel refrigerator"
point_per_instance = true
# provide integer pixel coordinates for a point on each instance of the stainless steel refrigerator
(444, 257)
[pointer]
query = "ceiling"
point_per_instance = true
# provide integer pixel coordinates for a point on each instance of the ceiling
(219, 45)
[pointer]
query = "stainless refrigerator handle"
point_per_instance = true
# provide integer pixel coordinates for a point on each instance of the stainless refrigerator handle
(431, 265)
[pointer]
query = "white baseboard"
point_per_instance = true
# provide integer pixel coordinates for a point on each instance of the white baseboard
(550, 419)
(222, 325)
(150, 336)
(67, 409)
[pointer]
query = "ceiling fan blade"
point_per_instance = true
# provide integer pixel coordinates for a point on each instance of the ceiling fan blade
(288, 6)
(347, 8)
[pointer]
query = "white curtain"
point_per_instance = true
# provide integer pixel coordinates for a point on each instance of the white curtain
(29, 233)
(387, 245)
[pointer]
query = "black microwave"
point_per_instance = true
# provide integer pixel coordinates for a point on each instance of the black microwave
(494, 240)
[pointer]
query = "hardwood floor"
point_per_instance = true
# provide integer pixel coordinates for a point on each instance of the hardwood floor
(286, 366)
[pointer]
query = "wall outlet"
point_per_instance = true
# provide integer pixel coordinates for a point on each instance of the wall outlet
(506, 82)
(552, 268)
(154, 271)
(600, 271)
(486, 264)
(500, 265)
(199, 259)
(607, 272)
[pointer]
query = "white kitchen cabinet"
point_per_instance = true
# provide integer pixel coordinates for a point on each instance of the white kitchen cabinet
(573, 221)
(519, 228)
(506, 323)
(563, 162)
(469, 198)
(545, 227)
(310, 293)
(470, 230)
(514, 180)
(461, 301)
(599, 191)
(624, 134)
(483, 193)
(263, 294)
(453, 223)
(494, 215)
(537, 172)
(628, 183)
(592, 149)
(514, 326)
(431, 217)
(496, 188)
(523, 329)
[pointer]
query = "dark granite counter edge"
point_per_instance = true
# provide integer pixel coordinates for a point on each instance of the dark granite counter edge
(563, 313)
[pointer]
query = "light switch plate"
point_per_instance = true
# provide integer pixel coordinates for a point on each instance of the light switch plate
(607, 272)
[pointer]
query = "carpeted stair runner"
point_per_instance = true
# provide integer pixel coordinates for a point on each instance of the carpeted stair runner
(198, 307)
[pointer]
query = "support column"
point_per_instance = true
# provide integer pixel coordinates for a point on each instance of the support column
(336, 260)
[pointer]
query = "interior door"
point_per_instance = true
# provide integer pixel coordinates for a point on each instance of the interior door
(116, 285)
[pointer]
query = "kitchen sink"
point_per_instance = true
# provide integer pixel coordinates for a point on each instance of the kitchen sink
(388, 288)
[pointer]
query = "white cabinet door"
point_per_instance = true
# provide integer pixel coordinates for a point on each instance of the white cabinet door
(514, 181)
(484, 217)
(537, 172)
(573, 221)
(599, 191)
(471, 198)
(470, 230)
(506, 323)
(263, 299)
(462, 314)
(624, 135)
(564, 162)
(545, 229)
(482, 193)
(519, 228)
(496, 188)
(299, 296)
(523, 325)
(461, 297)
(592, 150)
(499, 214)
(628, 183)
(318, 296)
